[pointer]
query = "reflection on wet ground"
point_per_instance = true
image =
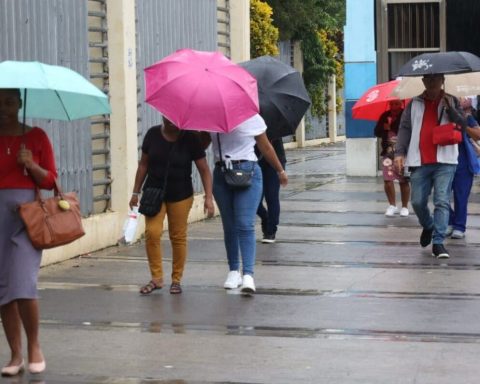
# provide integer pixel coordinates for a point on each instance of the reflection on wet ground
(289, 332)
(78, 379)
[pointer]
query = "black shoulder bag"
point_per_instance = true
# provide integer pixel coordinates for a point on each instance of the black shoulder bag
(152, 197)
(235, 178)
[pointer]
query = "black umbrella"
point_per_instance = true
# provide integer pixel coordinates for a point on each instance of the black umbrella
(282, 95)
(440, 63)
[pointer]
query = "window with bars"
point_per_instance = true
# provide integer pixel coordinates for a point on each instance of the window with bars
(413, 28)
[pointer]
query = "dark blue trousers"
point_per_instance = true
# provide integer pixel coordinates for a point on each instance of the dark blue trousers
(462, 184)
(270, 215)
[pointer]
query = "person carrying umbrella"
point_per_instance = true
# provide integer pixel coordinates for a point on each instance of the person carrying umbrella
(270, 215)
(28, 162)
(238, 207)
(432, 166)
(387, 129)
(166, 161)
(284, 100)
(207, 92)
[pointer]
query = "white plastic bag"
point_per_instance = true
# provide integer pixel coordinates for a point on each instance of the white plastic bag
(130, 226)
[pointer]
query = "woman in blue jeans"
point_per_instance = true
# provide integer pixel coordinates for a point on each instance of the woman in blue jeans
(238, 207)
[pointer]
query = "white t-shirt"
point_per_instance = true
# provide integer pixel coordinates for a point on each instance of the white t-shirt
(239, 143)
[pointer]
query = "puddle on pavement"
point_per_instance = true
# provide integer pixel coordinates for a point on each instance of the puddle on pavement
(283, 332)
(83, 379)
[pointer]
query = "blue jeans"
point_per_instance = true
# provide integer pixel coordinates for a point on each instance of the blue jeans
(238, 209)
(271, 189)
(423, 179)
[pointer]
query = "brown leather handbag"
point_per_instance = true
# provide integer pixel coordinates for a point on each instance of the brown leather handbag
(54, 221)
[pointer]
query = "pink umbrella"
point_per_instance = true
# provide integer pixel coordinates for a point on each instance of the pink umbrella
(374, 101)
(202, 91)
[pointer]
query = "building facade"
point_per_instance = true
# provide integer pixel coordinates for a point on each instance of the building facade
(380, 36)
(110, 42)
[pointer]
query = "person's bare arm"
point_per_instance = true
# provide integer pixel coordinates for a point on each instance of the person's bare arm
(139, 179)
(474, 132)
(206, 177)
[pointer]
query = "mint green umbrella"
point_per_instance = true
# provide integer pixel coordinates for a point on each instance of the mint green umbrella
(53, 92)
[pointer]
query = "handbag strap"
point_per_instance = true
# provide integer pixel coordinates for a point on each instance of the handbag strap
(219, 147)
(441, 115)
(57, 191)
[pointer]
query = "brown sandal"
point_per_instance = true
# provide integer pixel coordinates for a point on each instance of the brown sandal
(175, 288)
(149, 287)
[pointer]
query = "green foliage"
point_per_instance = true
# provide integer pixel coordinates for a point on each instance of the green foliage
(318, 25)
(295, 17)
(263, 35)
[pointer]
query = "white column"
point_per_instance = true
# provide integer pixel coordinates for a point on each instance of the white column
(240, 30)
(123, 98)
(332, 109)
(298, 65)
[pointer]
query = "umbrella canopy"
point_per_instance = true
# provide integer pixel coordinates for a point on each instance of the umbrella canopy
(463, 84)
(53, 92)
(374, 101)
(282, 95)
(440, 63)
(200, 90)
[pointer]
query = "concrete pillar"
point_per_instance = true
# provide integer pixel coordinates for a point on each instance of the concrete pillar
(240, 30)
(361, 157)
(332, 109)
(123, 98)
(298, 65)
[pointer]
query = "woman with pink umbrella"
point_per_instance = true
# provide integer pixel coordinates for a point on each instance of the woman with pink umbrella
(205, 91)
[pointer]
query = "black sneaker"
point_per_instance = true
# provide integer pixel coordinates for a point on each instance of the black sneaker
(426, 237)
(268, 239)
(264, 228)
(439, 251)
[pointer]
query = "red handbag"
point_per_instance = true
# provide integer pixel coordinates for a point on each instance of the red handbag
(447, 134)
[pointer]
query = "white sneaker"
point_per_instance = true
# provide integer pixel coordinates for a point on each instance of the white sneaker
(449, 231)
(456, 234)
(392, 210)
(234, 280)
(404, 212)
(248, 286)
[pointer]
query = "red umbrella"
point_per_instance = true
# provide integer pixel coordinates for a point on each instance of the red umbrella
(202, 91)
(374, 101)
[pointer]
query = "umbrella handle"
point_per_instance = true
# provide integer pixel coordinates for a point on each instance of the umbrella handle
(25, 172)
(24, 110)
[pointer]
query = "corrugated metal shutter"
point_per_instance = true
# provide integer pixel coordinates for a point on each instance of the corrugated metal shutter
(162, 28)
(54, 32)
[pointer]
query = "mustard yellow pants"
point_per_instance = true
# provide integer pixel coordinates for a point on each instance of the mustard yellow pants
(177, 215)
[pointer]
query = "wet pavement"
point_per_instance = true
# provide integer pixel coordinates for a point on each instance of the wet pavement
(345, 295)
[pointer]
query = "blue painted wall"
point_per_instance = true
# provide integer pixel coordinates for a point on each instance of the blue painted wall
(360, 62)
